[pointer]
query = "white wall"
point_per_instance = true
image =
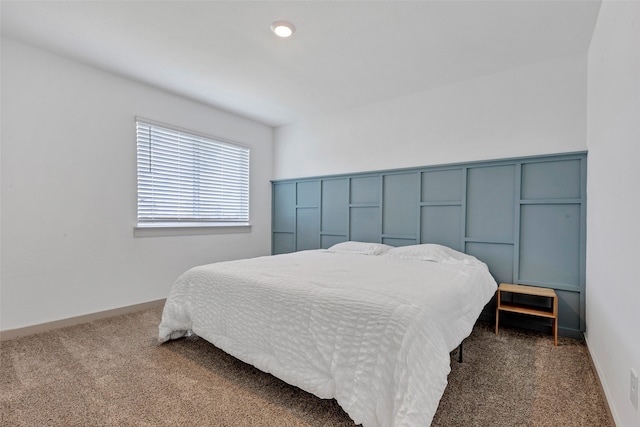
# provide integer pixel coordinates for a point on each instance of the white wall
(613, 216)
(69, 190)
(537, 109)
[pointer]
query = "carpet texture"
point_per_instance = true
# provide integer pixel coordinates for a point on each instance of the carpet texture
(112, 372)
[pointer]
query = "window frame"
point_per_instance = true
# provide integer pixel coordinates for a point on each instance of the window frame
(187, 225)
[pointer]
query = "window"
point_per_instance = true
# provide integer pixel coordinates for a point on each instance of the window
(186, 179)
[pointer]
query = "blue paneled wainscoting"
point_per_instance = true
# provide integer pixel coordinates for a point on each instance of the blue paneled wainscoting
(524, 217)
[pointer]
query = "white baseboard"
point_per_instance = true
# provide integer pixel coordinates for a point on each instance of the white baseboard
(10, 334)
(603, 388)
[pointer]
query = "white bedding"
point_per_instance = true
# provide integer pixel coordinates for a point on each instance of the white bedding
(373, 332)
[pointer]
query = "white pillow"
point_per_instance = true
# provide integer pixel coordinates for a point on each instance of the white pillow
(364, 248)
(432, 252)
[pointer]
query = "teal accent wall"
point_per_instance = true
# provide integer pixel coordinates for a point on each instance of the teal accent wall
(524, 217)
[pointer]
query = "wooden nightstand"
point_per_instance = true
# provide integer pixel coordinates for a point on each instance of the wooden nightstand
(524, 309)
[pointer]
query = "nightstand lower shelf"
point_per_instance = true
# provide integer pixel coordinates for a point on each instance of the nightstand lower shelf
(524, 309)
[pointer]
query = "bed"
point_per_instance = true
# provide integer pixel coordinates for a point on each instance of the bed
(367, 324)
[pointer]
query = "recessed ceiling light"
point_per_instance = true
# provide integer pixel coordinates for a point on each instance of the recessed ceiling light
(283, 29)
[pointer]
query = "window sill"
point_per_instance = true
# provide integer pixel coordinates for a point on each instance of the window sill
(189, 229)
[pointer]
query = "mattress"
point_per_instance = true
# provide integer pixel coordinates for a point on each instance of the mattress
(372, 331)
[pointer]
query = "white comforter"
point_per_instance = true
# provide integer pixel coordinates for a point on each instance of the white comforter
(373, 332)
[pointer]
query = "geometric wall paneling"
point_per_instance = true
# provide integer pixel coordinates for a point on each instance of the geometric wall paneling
(399, 241)
(328, 240)
(552, 233)
(442, 224)
(490, 203)
(499, 259)
(308, 194)
(284, 203)
(400, 205)
(551, 180)
(497, 256)
(569, 305)
(525, 218)
(307, 215)
(550, 245)
(364, 208)
(365, 190)
(364, 224)
(283, 217)
(307, 228)
(335, 207)
(441, 207)
(442, 185)
(283, 243)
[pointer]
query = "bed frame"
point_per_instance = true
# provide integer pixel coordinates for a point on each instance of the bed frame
(524, 217)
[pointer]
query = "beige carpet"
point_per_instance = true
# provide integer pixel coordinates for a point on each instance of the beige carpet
(113, 373)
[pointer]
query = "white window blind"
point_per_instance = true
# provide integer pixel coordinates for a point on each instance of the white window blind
(185, 178)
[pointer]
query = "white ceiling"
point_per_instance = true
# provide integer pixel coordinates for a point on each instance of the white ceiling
(344, 54)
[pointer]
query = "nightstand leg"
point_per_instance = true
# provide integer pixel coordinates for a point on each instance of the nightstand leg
(555, 321)
(497, 310)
